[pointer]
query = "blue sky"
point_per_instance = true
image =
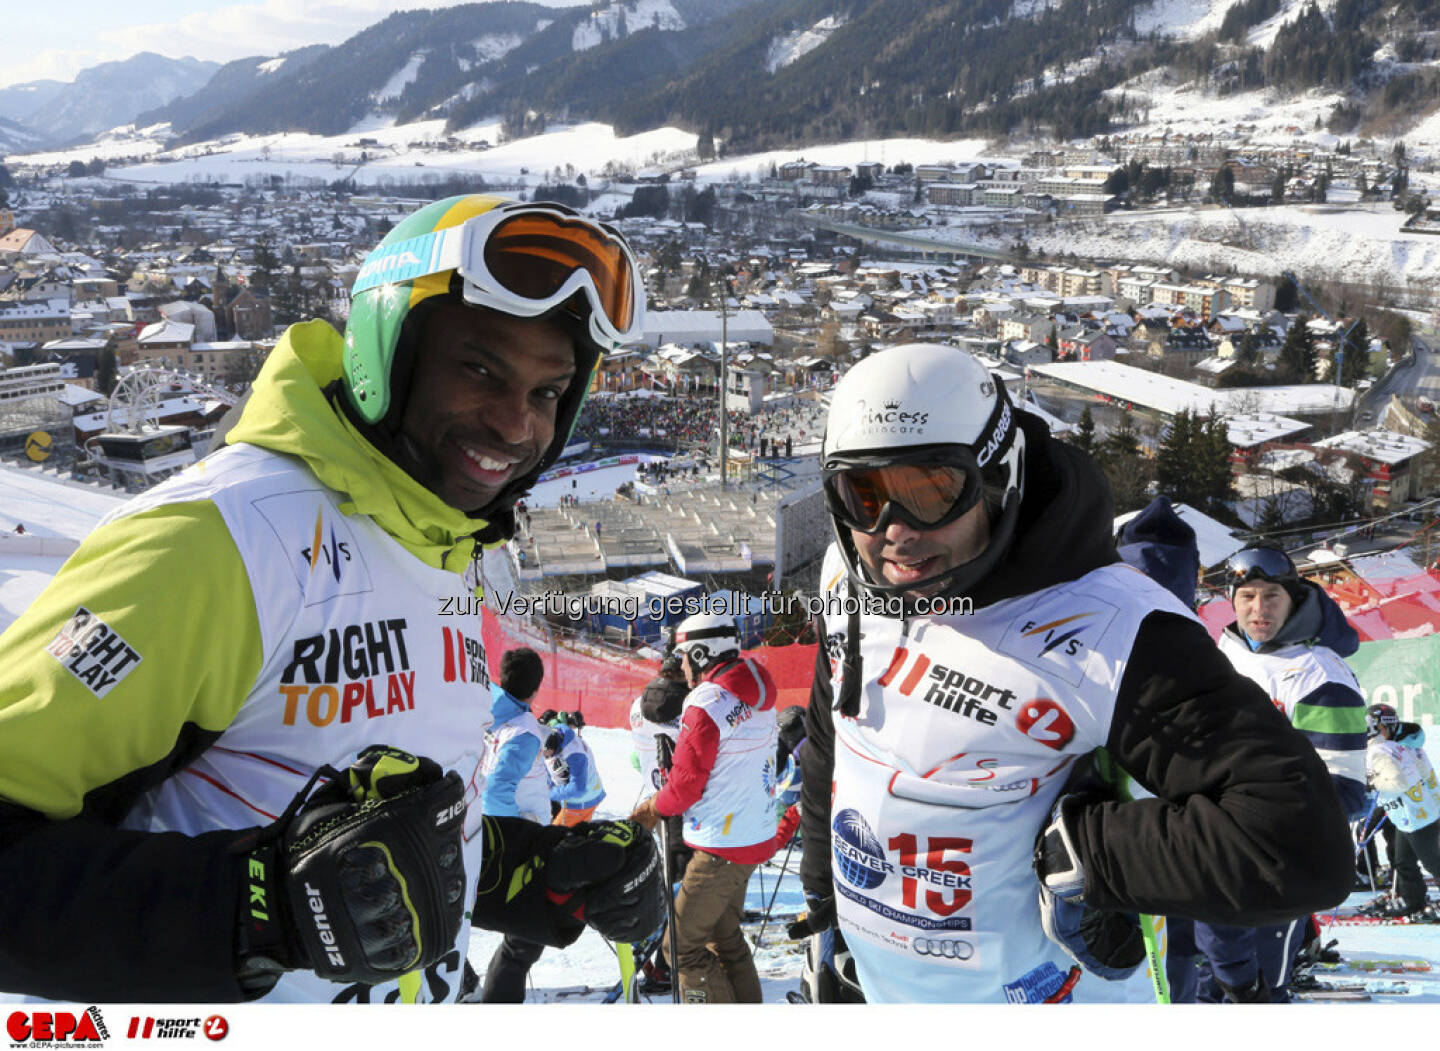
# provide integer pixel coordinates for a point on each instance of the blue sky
(57, 40)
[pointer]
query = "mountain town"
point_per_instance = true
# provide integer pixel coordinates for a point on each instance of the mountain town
(1186, 252)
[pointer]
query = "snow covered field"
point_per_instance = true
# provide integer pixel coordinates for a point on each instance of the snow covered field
(1357, 243)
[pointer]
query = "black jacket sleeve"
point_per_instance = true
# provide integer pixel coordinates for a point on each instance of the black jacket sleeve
(1247, 827)
(815, 873)
(110, 914)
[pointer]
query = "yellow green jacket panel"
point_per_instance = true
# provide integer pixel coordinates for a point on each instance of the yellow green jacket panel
(274, 608)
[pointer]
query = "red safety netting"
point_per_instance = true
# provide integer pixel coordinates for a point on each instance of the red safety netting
(601, 685)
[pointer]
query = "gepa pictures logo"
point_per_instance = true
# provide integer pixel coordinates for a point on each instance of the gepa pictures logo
(56, 1028)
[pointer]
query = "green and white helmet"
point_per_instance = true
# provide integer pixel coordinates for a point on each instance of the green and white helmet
(527, 260)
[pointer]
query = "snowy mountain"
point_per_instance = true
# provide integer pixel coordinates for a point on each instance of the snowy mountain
(757, 74)
(20, 102)
(103, 96)
(16, 138)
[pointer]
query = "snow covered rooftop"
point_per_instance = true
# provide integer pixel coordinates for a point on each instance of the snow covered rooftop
(1377, 445)
(1167, 396)
(1247, 430)
(1215, 539)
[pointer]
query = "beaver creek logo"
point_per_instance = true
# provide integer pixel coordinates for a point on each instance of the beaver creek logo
(857, 850)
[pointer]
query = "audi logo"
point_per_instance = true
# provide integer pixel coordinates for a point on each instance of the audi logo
(949, 948)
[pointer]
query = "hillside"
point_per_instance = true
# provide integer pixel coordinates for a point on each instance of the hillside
(748, 75)
(102, 96)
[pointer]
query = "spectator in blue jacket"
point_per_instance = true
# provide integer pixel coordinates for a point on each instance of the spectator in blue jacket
(575, 785)
(515, 786)
(515, 781)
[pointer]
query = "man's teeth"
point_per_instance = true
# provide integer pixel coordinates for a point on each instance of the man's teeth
(486, 463)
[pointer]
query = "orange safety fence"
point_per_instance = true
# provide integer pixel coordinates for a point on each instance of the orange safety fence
(602, 684)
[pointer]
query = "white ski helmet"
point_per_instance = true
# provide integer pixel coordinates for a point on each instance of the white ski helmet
(939, 412)
(706, 638)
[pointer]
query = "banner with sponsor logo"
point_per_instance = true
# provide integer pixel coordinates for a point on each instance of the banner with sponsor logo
(1403, 673)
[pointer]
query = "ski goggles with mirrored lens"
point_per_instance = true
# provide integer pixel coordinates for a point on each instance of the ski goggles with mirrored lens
(923, 495)
(1259, 563)
(525, 260)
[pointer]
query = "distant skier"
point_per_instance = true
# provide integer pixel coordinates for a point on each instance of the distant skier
(575, 785)
(721, 780)
(1409, 791)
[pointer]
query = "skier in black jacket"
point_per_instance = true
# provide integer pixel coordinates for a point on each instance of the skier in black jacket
(939, 489)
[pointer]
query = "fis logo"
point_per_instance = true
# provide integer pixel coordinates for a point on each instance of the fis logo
(57, 1028)
(1059, 634)
(1058, 642)
(325, 558)
(93, 652)
(329, 550)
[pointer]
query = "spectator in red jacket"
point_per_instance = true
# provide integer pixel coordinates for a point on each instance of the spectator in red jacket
(721, 780)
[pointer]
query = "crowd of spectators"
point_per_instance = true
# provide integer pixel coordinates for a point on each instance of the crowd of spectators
(690, 420)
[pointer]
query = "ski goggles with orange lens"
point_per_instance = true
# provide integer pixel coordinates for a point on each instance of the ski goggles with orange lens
(923, 495)
(525, 260)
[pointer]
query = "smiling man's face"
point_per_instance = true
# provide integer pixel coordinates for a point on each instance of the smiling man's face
(483, 401)
(901, 554)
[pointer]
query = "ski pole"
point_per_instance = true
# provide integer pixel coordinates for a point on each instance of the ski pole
(670, 911)
(1150, 933)
(1363, 843)
(784, 866)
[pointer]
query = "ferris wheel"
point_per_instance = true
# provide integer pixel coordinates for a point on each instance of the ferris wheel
(135, 402)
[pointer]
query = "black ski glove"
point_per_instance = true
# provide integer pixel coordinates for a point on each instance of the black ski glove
(1107, 944)
(608, 874)
(819, 916)
(543, 883)
(362, 880)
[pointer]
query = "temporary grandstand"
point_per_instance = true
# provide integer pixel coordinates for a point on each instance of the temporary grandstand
(31, 400)
(691, 531)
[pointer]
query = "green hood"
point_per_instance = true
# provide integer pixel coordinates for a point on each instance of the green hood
(289, 413)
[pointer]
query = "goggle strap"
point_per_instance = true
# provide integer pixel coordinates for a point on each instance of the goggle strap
(717, 632)
(412, 258)
(999, 432)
